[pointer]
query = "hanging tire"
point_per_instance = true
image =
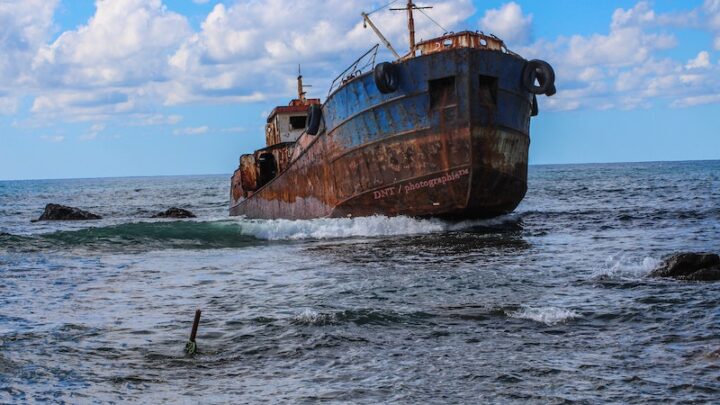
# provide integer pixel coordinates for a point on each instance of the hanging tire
(314, 116)
(552, 90)
(543, 73)
(387, 78)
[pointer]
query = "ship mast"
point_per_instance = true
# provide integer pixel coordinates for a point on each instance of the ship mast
(411, 22)
(411, 25)
(301, 87)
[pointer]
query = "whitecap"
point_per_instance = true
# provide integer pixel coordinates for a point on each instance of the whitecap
(377, 225)
(310, 317)
(619, 266)
(546, 315)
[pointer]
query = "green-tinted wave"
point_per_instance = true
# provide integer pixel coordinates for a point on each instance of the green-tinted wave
(139, 235)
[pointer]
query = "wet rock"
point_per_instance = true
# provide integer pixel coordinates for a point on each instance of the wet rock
(690, 266)
(174, 212)
(57, 212)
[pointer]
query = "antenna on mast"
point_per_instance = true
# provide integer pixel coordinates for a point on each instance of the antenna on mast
(301, 86)
(411, 22)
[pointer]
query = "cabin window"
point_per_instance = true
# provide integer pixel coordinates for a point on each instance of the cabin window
(488, 91)
(442, 92)
(298, 122)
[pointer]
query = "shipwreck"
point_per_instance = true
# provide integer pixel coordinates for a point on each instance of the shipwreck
(442, 131)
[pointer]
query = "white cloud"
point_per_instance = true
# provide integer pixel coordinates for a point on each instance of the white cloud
(83, 102)
(641, 14)
(711, 9)
(697, 100)
(24, 27)
(154, 119)
(191, 131)
(249, 50)
(509, 23)
(53, 138)
(623, 68)
(702, 61)
(93, 132)
(135, 56)
(8, 105)
(125, 43)
(234, 130)
(97, 127)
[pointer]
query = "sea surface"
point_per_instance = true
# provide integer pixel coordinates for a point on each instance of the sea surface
(550, 304)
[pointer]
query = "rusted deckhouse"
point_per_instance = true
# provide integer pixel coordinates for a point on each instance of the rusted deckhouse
(441, 131)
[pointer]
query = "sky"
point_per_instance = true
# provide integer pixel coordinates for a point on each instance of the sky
(171, 87)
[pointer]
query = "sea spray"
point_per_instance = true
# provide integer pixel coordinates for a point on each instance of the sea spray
(620, 266)
(372, 226)
(546, 315)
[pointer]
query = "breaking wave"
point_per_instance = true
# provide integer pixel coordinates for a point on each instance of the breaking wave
(360, 316)
(621, 267)
(328, 228)
(239, 232)
(546, 315)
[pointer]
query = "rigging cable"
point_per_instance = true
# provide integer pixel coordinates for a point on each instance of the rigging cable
(431, 19)
(385, 6)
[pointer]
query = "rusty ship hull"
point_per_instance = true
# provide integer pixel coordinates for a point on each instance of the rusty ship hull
(452, 141)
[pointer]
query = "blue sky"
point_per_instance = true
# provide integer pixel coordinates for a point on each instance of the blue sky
(151, 87)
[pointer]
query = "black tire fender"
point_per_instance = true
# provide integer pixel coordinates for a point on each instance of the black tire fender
(543, 73)
(386, 76)
(314, 116)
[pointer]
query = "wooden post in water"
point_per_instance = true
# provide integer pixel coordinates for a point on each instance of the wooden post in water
(191, 346)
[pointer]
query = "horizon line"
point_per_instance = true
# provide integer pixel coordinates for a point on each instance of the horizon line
(230, 174)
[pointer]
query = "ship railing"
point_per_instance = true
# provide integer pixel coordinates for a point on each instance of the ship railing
(360, 66)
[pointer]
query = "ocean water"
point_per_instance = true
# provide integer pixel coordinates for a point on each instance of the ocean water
(550, 304)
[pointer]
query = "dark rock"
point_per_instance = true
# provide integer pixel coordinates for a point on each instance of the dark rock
(690, 266)
(707, 274)
(174, 212)
(57, 212)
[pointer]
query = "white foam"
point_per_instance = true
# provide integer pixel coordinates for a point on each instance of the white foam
(310, 317)
(546, 315)
(326, 228)
(619, 266)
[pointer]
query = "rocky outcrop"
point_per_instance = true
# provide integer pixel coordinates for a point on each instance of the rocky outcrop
(174, 212)
(57, 212)
(690, 266)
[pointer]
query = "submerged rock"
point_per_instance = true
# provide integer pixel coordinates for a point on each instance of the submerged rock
(690, 266)
(174, 212)
(57, 212)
